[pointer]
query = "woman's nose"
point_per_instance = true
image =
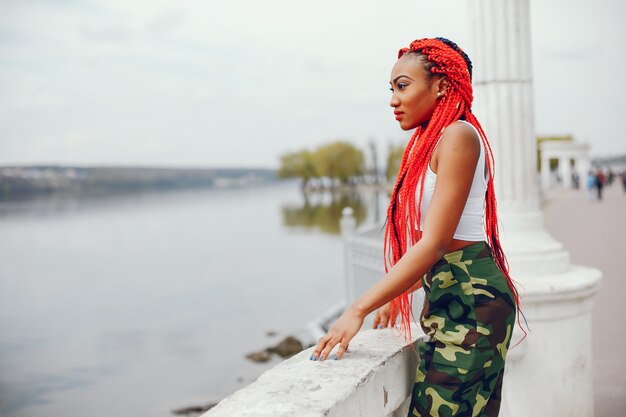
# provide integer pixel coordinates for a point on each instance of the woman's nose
(394, 102)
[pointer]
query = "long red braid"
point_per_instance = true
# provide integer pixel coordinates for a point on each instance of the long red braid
(443, 57)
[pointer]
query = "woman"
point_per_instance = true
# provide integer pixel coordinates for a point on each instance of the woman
(591, 183)
(441, 234)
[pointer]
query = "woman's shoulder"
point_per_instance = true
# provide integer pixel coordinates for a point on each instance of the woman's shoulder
(460, 135)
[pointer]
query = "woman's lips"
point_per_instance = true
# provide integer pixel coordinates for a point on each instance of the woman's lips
(398, 115)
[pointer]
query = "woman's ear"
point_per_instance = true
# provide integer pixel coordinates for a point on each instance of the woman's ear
(442, 86)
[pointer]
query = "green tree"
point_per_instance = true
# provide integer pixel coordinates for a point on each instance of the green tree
(394, 159)
(297, 164)
(338, 160)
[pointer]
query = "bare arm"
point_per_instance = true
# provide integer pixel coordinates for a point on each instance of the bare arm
(457, 159)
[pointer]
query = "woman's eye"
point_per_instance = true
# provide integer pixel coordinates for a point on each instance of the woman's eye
(400, 87)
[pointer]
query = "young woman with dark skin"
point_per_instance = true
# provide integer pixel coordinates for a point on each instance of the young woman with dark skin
(414, 97)
(441, 234)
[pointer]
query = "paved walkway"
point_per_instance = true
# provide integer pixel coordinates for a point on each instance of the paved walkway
(594, 232)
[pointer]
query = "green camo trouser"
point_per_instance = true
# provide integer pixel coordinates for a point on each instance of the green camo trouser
(468, 317)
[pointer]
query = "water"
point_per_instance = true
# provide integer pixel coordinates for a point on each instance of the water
(139, 305)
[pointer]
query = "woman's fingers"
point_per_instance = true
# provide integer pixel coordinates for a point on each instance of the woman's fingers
(343, 331)
(329, 346)
(343, 346)
(321, 344)
(376, 320)
(326, 345)
(381, 320)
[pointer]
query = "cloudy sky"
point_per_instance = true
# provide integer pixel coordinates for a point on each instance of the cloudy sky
(238, 82)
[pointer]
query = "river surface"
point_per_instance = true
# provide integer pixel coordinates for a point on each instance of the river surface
(142, 304)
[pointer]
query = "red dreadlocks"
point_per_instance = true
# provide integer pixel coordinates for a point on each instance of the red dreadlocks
(443, 57)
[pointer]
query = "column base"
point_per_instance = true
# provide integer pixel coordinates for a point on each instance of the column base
(530, 250)
(550, 372)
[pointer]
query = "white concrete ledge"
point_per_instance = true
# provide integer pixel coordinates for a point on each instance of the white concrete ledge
(374, 378)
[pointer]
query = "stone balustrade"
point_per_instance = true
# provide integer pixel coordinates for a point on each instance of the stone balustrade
(373, 379)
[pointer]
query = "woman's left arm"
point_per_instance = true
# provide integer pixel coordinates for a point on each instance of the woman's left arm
(458, 155)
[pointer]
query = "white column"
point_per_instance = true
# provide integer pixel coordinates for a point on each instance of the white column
(561, 170)
(545, 172)
(549, 374)
(582, 167)
(503, 98)
(503, 104)
(566, 175)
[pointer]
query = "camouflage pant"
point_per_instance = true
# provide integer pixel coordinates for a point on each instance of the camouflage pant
(468, 315)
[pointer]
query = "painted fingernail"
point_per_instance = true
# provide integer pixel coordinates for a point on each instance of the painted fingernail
(380, 326)
(335, 357)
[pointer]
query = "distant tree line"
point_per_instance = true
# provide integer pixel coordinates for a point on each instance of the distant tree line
(18, 182)
(339, 161)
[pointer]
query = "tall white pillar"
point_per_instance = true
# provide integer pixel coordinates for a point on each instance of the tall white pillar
(549, 374)
(545, 172)
(583, 166)
(565, 171)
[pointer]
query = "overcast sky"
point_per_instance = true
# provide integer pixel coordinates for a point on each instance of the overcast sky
(238, 82)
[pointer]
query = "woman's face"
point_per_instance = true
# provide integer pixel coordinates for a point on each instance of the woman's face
(414, 96)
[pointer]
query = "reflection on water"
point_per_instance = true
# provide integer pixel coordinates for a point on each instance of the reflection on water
(141, 304)
(42, 391)
(57, 203)
(323, 210)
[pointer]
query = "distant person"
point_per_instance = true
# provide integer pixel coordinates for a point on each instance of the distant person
(610, 177)
(575, 180)
(591, 185)
(600, 181)
(431, 93)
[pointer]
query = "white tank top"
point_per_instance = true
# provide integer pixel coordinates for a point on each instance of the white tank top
(470, 225)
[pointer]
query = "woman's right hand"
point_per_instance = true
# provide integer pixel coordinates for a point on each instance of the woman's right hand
(383, 317)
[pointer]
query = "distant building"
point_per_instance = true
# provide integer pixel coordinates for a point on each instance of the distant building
(561, 159)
